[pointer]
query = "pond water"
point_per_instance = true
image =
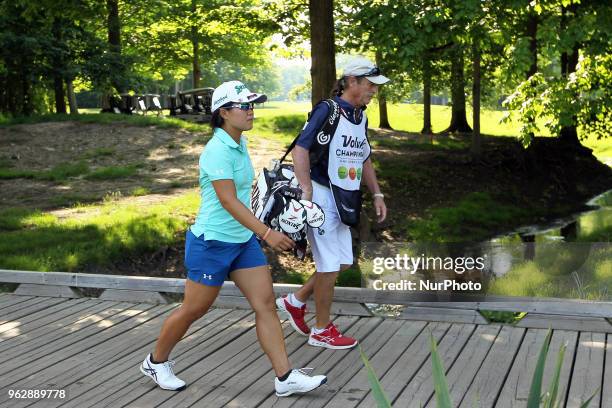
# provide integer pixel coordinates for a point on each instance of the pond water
(569, 257)
(577, 227)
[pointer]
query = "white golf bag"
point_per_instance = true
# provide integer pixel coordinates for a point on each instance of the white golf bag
(276, 201)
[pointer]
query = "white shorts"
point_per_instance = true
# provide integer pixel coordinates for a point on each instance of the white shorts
(335, 246)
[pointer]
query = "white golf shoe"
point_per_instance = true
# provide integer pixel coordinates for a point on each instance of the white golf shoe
(162, 374)
(298, 382)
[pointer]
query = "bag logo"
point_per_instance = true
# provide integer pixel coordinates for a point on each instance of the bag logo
(323, 138)
(345, 208)
(334, 113)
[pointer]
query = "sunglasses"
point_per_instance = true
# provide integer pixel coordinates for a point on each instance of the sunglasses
(373, 72)
(245, 106)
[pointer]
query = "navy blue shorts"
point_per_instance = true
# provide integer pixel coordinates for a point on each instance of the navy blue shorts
(210, 262)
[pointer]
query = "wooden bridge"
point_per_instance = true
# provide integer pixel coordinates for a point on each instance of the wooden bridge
(52, 338)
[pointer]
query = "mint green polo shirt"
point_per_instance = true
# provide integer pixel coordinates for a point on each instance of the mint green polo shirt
(223, 159)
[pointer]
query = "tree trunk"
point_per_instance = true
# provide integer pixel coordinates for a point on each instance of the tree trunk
(382, 99)
(195, 41)
(60, 96)
(114, 25)
(322, 48)
(569, 62)
(459, 115)
(74, 109)
(476, 141)
(426, 96)
(114, 40)
(58, 68)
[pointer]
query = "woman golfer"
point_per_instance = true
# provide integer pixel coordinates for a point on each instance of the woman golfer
(222, 243)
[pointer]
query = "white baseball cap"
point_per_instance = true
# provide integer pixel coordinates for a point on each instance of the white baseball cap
(362, 67)
(234, 91)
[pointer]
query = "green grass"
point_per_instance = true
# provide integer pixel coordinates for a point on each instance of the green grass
(58, 173)
(103, 233)
(106, 118)
(99, 152)
(112, 172)
(565, 271)
(141, 191)
(64, 171)
(471, 219)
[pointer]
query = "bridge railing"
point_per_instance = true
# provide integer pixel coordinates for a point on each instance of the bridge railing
(541, 312)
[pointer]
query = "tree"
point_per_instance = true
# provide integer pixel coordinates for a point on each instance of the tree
(323, 51)
(575, 92)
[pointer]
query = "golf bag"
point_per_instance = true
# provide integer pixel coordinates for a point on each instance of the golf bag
(276, 201)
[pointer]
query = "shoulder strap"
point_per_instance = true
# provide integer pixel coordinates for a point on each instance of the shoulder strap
(334, 110)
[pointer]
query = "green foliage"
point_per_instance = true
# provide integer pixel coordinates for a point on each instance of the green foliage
(582, 99)
(350, 277)
(551, 398)
(441, 391)
(382, 401)
(495, 316)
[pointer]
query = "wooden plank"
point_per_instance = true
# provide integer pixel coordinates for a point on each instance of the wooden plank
(439, 314)
(322, 360)
(490, 377)
(559, 338)
(358, 387)
(18, 304)
(191, 365)
(518, 383)
(408, 364)
(421, 388)
(25, 309)
(233, 375)
(9, 299)
(36, 319)
(337, 308)
(606, 389)
(466, 366)
(16, 369)
(75, 365)
(522, 370)
(228, 359)
(92, 387)
(588, 370)
(339, 372)
(140, 296)
(542, 321)
(46, 334)
(31, 289)
(248, 358)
